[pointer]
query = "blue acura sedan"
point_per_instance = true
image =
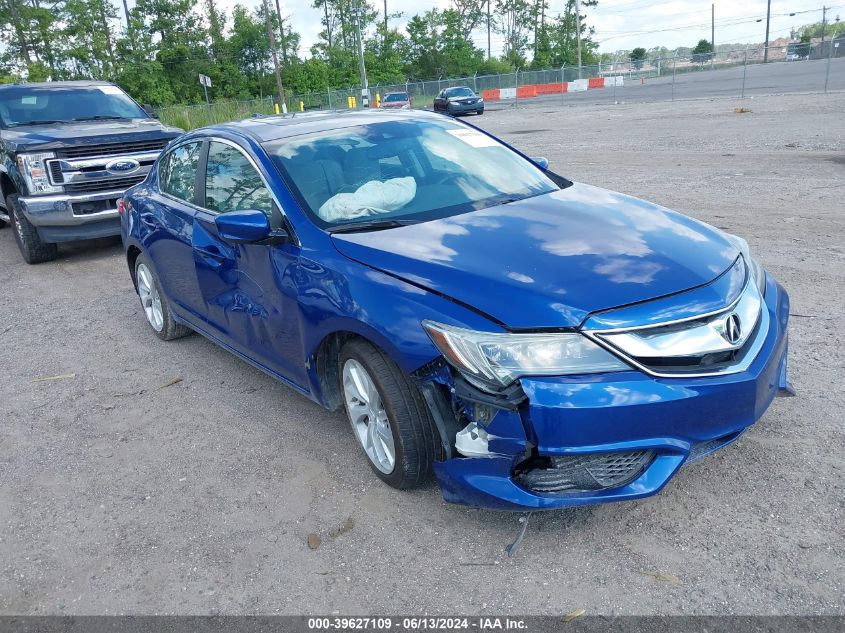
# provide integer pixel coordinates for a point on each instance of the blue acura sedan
(532, 342)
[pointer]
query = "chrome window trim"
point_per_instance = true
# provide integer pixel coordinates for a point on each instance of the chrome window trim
(754, 345)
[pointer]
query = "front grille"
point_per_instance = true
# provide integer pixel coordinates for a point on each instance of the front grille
(112, 149)
(104, 185)
(582, 473)
(716, 343)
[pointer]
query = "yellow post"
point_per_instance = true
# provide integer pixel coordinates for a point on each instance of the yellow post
(349, 102)
(276, 107)
(354, 102)
(378, 100)
(302, 106)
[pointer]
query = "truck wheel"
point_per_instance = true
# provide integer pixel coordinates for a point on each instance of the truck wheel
(389, 417)
(155, 304)
(33, 248)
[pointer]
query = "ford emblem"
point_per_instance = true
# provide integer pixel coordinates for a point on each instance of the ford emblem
(123, 166)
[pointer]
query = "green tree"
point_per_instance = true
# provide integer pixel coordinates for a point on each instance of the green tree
(702, 52)
(637, 57)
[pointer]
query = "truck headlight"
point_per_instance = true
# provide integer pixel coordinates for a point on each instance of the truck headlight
(754, 268)
(501, 358)
(33, 168)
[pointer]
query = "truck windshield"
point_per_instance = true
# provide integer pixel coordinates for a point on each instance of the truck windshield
(31, 105)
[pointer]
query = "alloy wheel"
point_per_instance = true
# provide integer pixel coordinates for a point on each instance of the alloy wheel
(368, 416)
(150, 299)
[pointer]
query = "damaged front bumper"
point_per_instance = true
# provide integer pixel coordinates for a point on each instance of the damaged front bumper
(579, 440)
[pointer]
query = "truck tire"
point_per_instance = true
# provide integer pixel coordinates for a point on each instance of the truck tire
(33, 248)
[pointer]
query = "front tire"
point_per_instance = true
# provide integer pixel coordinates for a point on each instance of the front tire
(155, 304)
(33, 249)
(388, 415)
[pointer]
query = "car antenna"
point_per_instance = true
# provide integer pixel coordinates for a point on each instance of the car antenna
(511, 549)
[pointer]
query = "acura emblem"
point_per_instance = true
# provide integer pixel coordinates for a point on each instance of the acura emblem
(123, 166)
(733, 329)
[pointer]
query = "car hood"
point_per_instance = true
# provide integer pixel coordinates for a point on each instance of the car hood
(59, 135)
(551, 260)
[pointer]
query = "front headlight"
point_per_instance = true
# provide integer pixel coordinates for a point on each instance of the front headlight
(754, 268)
(502, 358)
(33, 168)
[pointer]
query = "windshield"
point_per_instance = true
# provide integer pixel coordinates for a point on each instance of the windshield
(459, 92)
(403, 170)
(28, 105)
(396, 96)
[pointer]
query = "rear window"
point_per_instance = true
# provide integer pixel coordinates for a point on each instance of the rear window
(396, 96)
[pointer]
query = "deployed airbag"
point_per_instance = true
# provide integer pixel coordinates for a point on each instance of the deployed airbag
(371, 198)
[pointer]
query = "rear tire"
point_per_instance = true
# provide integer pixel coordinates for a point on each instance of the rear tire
(33, 249)
(416, 442)
(154, 302)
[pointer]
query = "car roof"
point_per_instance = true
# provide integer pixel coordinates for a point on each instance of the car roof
(84, 83)
(271, 128)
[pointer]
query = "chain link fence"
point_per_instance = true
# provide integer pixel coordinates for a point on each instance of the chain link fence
(753, 70)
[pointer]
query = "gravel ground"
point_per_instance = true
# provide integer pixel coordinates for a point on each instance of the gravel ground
(174, 478)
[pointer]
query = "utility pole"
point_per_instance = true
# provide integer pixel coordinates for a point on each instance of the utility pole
(578, 32)
(365, 89)
(488, 28)
(712, 35)
(272, 39)
(824, 19)
(768, 18)
(384, 38)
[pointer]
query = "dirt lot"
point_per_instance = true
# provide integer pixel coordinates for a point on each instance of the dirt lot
(125, 491)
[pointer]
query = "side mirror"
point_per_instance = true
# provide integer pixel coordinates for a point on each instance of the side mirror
(149, 110)
(541, 162)
(243, 226)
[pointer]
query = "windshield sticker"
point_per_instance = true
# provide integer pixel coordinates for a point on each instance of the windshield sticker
(29, 100)
(473, 137)
(111, 90)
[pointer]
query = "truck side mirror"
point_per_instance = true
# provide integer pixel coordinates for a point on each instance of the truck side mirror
(149, 110)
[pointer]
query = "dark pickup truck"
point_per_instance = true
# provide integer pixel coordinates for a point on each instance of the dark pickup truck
(69, 151)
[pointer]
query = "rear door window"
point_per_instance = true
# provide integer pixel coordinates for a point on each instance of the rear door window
(178, 171)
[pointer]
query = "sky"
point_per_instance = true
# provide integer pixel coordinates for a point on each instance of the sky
(619, 24)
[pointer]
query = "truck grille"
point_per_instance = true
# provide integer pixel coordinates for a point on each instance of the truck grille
(112, 149)
(105, 185)
(582, 473)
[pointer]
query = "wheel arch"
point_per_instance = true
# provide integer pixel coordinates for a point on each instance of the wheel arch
(7, 186)
(323, 366)
(132, 253)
